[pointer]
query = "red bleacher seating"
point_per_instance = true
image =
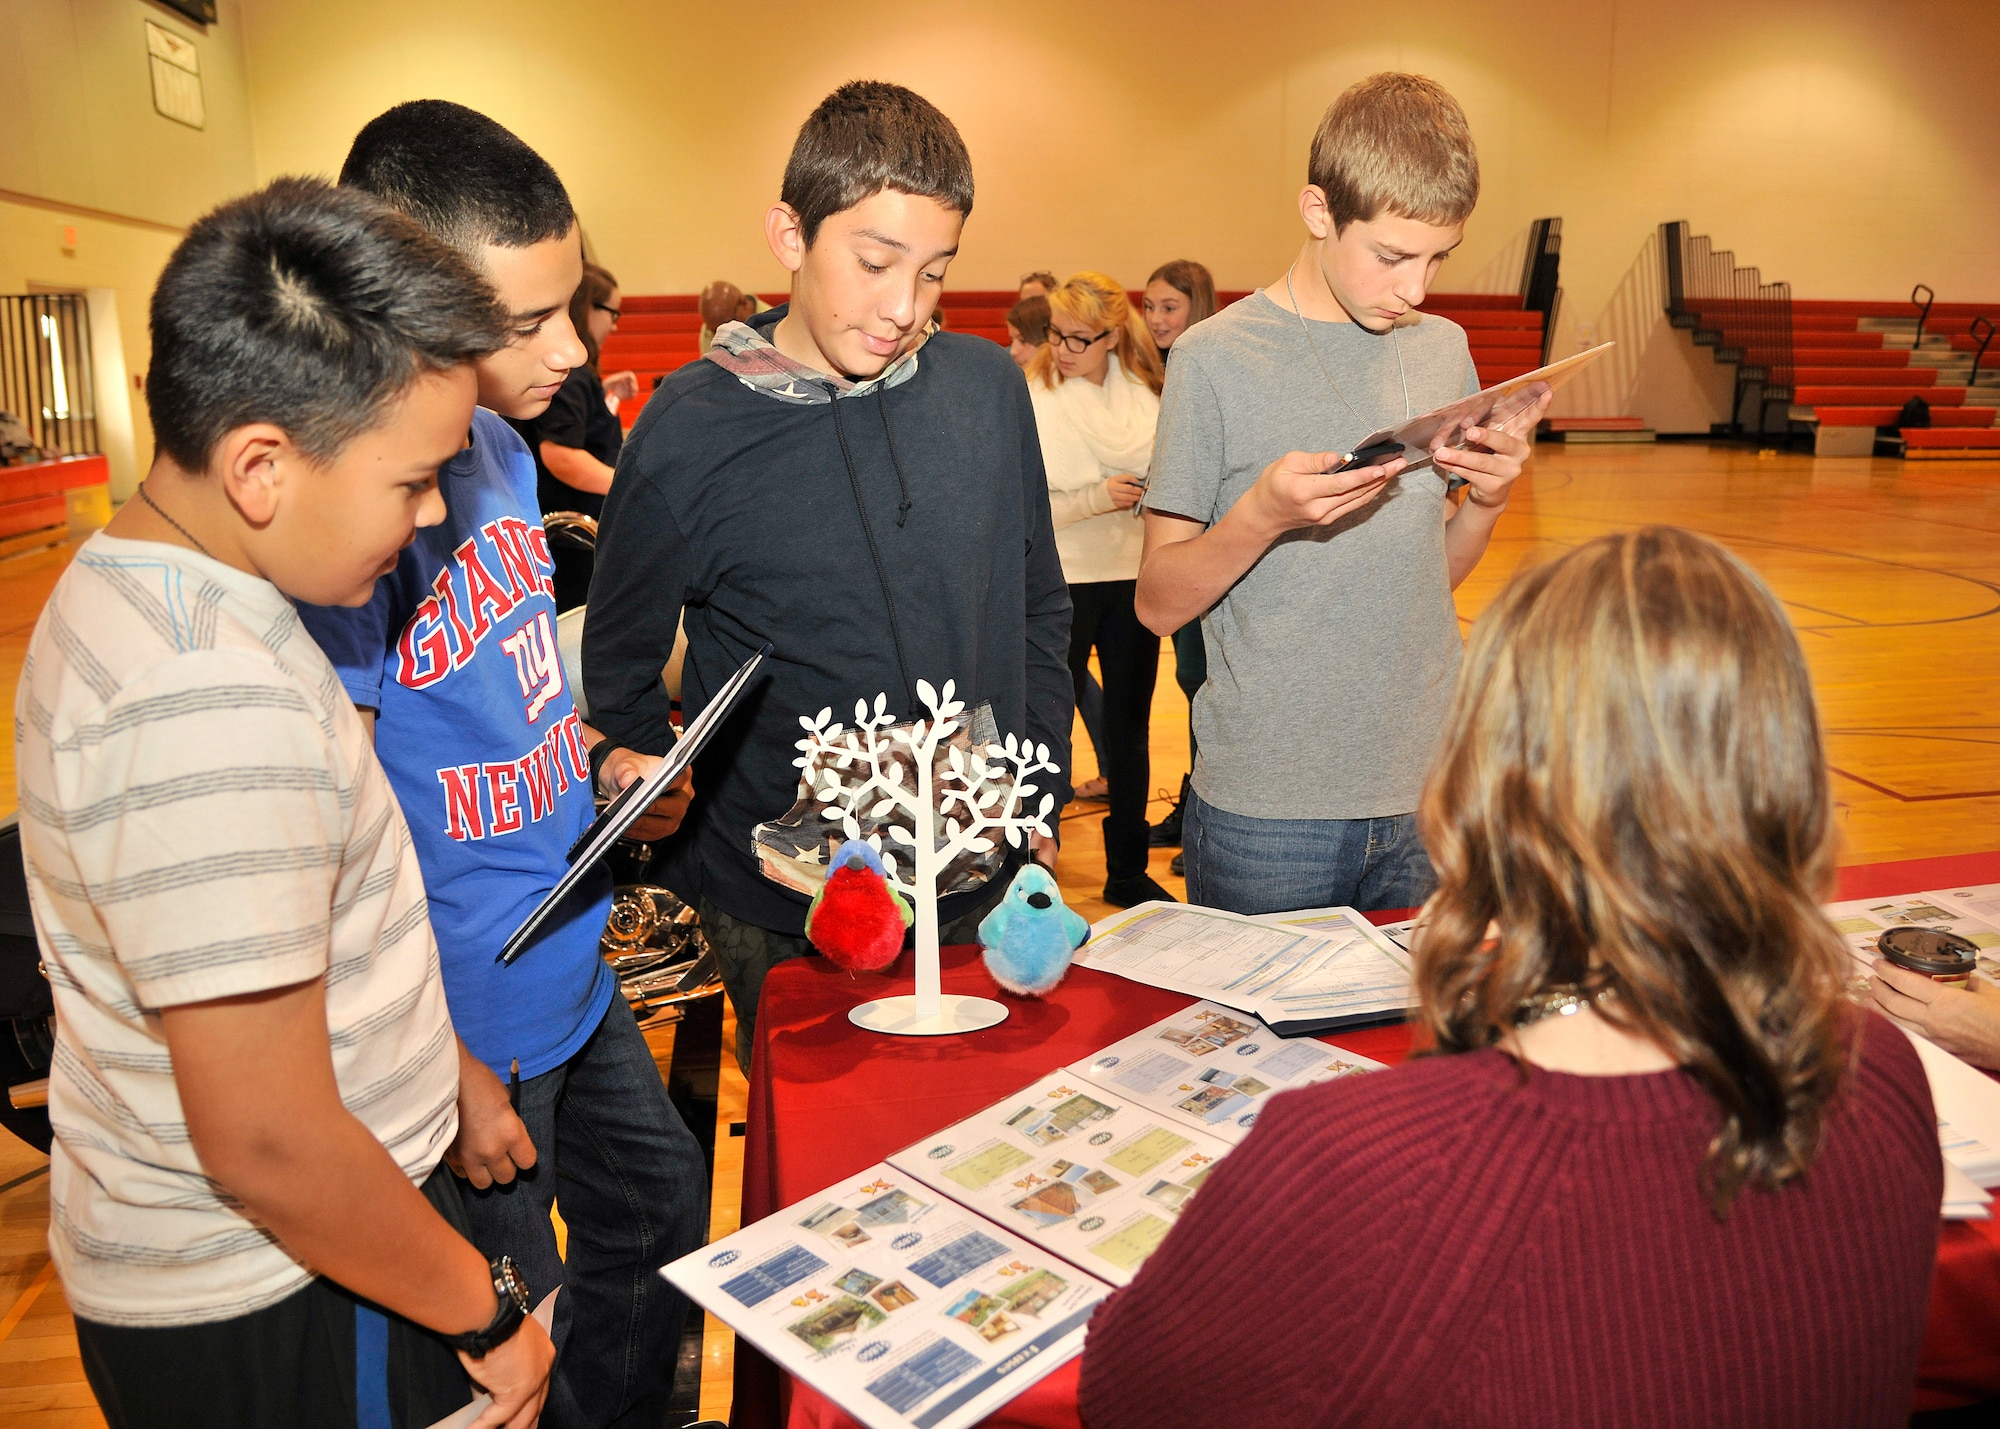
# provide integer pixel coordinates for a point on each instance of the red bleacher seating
(1861, 395)
(1855, 380)
(659, 331)
(1883, 416)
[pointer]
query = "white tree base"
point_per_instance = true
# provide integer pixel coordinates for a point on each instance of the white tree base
(898, 1016)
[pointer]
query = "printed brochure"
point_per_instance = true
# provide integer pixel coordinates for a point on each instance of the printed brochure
(1094, 1176)
(1213, 1068)
(904, 1308)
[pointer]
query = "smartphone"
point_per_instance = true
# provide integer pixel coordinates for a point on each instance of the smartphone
(1371, 455)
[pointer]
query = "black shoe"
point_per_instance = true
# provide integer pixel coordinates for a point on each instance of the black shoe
(1130, 892)
(1167, 832)
(1178, 868)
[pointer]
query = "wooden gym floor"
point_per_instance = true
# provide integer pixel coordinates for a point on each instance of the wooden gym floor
(1891, 574)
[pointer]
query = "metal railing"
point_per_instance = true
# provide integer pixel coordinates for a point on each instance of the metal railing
(1745, 319)
(1541, 291)
(1984, 339)
(1923, 306)
(45, 369)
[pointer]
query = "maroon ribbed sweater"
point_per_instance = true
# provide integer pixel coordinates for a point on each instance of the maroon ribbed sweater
(1446, 1244)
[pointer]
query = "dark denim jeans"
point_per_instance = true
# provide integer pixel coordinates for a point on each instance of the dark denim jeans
(1247, 865)
(632, 1187)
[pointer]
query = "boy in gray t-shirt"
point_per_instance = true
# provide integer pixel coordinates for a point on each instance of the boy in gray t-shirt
(1326, 597)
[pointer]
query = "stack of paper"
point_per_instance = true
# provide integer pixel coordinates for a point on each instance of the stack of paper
(1323, 970)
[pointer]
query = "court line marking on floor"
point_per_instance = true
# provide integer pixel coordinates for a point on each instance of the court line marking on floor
(27, 1301)
(24, 1178)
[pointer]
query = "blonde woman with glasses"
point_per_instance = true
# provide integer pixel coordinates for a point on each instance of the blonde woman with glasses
(1096, 390)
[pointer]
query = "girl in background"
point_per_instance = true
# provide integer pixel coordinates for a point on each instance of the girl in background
(1096, 388)
(577, 440)
(1179, 295)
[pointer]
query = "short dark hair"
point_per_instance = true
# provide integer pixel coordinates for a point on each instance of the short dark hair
(309, 307)
(596, 288)
(459, 174)
(868, 136)
(1030, 318)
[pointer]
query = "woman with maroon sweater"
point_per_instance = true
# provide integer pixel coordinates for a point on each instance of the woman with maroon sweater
(1704, 1192)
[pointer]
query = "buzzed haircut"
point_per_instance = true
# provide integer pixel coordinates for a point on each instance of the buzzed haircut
(1395, 144)
(309, 307)
(459, 174)
(868, 136)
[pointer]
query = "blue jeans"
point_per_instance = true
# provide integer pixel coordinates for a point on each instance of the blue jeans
(632, 1186)
(1247, 865)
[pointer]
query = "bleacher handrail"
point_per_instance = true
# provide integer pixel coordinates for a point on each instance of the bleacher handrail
(1923, 309)
(1732, 309)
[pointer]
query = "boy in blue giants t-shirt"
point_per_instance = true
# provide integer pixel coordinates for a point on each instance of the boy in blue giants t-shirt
(477, 728)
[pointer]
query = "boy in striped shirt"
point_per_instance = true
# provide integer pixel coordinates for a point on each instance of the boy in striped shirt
(255, 1077)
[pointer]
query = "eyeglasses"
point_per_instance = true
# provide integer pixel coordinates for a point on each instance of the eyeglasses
(616, 313)
(1074, 343)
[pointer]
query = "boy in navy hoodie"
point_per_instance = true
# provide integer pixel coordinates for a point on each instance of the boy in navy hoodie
(845, 481)
(456, 659)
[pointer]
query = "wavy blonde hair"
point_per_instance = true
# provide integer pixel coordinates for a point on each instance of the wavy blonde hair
(1096, 301)
(1633, 788)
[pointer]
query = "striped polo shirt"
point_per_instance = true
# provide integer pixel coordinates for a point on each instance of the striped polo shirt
(203, 816)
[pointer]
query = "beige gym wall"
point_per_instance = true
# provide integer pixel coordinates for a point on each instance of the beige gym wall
(83, 153)
(1845, 145)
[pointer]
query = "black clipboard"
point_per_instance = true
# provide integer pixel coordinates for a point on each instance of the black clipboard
(638, 796)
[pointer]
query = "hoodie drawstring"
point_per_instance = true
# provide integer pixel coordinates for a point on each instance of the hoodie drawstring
(902, 482)
(874, 549)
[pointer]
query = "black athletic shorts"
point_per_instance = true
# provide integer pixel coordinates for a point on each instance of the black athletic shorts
(321, 1358)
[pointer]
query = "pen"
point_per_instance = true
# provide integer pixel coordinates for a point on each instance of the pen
(514, 1086)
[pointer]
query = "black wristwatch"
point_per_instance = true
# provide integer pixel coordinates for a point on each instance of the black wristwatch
(515, 1302)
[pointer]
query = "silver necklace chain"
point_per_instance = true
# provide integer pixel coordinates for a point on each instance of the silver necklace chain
(1395, 341)
(147, 497)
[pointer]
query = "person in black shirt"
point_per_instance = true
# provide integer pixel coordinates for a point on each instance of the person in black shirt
(577, 440)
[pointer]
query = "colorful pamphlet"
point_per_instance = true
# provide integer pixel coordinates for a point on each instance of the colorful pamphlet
(901, 1306)
(1095, 1177)
(1213, 1069)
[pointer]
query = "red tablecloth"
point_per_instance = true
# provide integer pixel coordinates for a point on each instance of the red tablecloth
(828, 1098)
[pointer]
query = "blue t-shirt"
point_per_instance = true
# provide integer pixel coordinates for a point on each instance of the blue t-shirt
(478, 731)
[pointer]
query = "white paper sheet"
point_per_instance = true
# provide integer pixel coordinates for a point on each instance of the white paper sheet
(1096, 1178)
(907, 1310)
(1296, 979)
(1213, 1068)
(1967, 1102)
(1963, 1200)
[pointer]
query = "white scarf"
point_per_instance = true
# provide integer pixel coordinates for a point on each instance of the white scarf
(1116, 420)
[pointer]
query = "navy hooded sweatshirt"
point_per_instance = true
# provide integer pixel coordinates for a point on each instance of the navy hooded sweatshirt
(894, 535)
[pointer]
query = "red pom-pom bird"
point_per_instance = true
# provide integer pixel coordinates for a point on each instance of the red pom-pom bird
(857, 919)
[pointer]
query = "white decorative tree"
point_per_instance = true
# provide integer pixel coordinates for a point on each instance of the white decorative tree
(954, 797)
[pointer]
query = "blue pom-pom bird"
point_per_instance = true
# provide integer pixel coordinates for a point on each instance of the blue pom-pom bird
(1031, 936)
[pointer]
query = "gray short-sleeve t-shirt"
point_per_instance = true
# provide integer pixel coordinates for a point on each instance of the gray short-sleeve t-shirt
(1331, 662)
